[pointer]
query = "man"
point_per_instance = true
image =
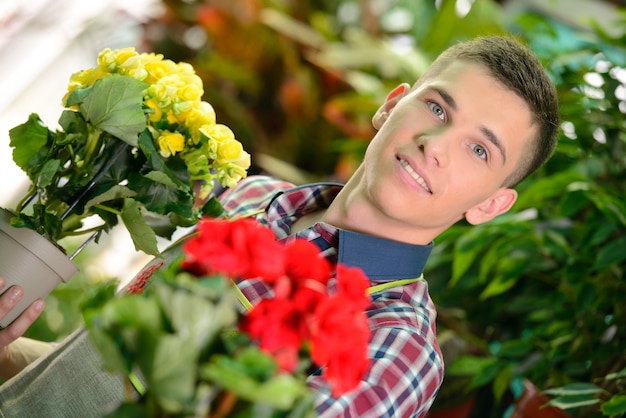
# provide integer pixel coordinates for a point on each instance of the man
(453, 146)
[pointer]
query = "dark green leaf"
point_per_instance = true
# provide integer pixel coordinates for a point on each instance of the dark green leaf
(142, 235)
(111, 193)
(48, 173)
(213, 208)
(612, 253)
(466, 251)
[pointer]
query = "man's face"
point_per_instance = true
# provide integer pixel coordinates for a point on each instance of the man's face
(445, 149)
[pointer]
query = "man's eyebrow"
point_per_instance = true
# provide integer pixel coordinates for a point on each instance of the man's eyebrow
(445, 96)
(495, 141)
(486, 131)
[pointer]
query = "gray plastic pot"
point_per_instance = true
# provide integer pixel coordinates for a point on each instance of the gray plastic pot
(31, 261)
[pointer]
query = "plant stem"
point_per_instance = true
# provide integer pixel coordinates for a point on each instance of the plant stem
(95, 179)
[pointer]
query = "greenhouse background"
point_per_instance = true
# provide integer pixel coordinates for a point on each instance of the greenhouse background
(534, 295)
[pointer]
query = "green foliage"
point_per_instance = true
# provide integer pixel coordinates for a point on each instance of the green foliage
(577, 395)
(549, 278)
(179, 337)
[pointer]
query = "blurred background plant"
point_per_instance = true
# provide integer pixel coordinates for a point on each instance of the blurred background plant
(533, 295)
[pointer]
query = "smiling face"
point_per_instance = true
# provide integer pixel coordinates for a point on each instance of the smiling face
(441, 154)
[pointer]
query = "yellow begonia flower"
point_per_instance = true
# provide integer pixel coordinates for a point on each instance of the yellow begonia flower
(174, 95)
(243, 161)
(189, 92)
(181, 108)
(217, 132)
(200, 114)
(157, 114)
(229, 149)
(110, 60)
(170, 143)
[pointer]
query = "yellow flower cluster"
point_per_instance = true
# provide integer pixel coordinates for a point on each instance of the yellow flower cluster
(179, 121)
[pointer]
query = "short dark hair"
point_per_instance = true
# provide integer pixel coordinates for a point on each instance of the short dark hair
(517, 68)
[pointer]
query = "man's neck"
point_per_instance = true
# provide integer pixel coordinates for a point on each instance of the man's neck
(352, 210)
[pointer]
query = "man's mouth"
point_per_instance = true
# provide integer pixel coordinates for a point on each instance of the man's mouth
(418, 179)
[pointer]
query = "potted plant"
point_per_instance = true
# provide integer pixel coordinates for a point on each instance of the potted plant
(180, 335)
(136, 143)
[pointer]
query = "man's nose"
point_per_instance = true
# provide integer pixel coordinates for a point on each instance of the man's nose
(436, 147)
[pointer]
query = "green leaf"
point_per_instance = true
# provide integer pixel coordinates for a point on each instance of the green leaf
(142, 235)
(111, 193)
(160, 177)
(197, 318)
(48, 173)
(27, 140)
(498, 285)
(574, 389)
(573, 401)
(612, 253)
(488, 373)
(172, 375)
(615, 407)
(132, 312)
(280, 392)
(618, 375)
(469, 365)
(466, 251)
(541, 190)
(502, 382)
(114, 105)
(514, 349)
(213, 208)
(611, 206)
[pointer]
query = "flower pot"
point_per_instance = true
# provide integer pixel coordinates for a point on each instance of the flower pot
(31, 261)
(529, 405)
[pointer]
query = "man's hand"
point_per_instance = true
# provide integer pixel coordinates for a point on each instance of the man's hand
(8, 300)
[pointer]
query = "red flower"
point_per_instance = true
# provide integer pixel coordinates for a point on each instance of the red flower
(341, 333)
(309, 273)
(279, 330)
(238, 249)
(301, 314)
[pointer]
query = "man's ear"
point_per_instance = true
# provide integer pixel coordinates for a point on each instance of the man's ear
(391, 101)
(499, 202)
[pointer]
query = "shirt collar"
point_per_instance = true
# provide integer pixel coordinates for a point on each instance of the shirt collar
(380, 259)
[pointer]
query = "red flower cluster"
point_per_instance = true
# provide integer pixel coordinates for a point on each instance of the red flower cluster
(301, 314)
(241, 248)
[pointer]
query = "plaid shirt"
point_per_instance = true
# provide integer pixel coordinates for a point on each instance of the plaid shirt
(406, 362)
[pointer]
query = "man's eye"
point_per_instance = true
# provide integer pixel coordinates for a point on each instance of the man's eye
(437, 110)
(480, 151)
